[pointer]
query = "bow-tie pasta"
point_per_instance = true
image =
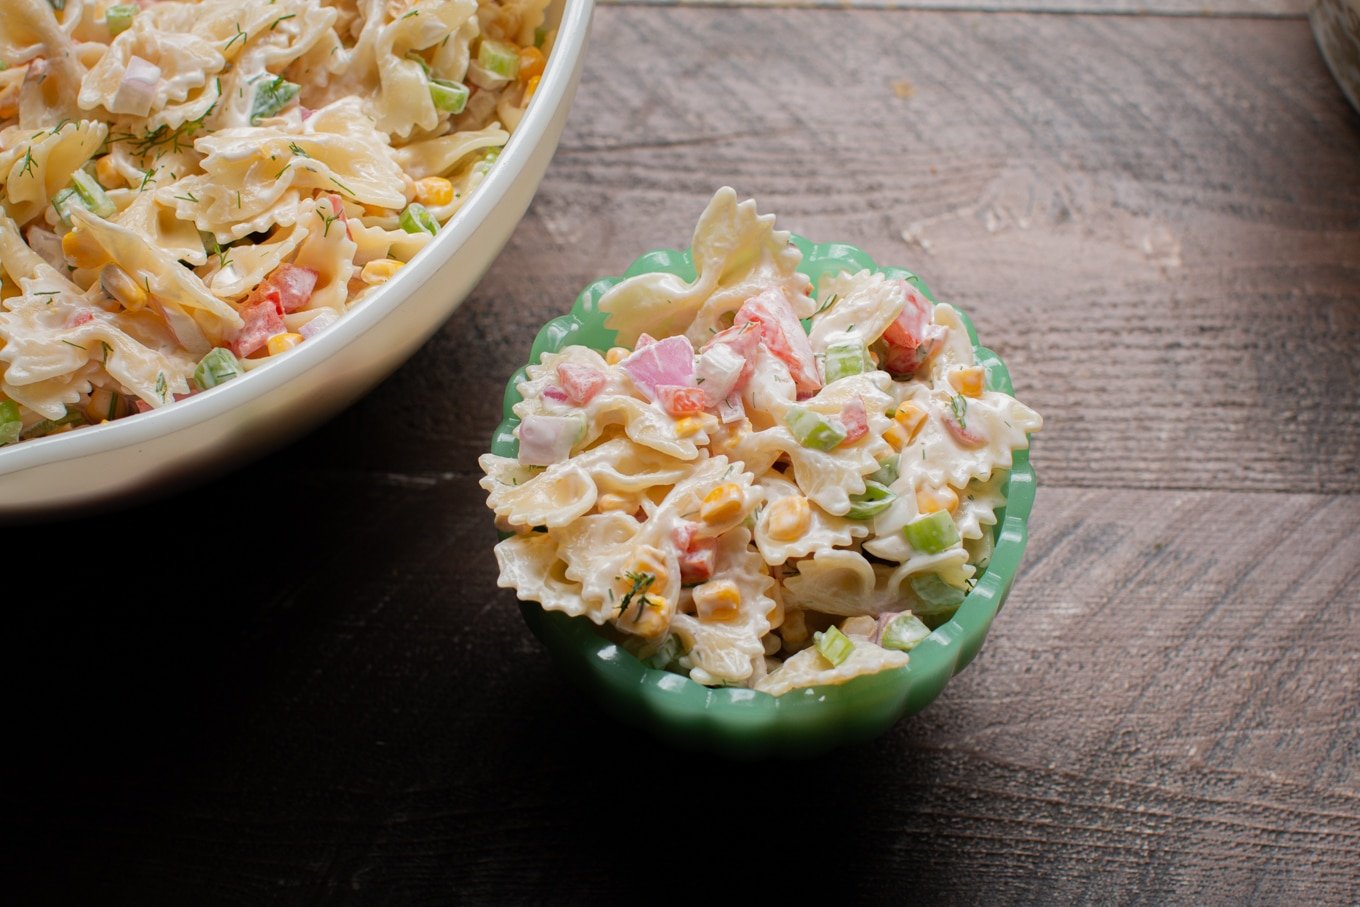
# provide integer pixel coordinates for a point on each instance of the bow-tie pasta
(190, 188)
(762, 488)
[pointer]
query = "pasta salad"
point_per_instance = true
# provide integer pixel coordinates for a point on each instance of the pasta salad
(190, 188)
(764, 484)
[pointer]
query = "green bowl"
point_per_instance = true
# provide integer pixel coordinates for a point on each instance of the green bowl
(743, 723)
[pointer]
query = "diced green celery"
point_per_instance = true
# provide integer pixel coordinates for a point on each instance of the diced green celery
(119, 18)
(670, 650)
(64, 201)
(272, 96)
(92, 194)
(417, 219)
(939, 600)
(217, 367)
(11, 424)
(845, 359)
(874, 501)
(813, 430)
(932, 533)
(904, 633)
(540, 35)
(450, 97)
(501, 57)
(887, 470)
(834, 645)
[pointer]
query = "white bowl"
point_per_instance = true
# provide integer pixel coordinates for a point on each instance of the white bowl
(194, 439)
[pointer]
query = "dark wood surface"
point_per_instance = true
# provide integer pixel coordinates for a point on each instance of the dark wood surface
(300, 683)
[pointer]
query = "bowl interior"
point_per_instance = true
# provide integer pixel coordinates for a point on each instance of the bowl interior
(193, 439)
(744, 723)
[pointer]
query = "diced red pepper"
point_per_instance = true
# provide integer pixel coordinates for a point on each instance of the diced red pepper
(580, 382)
(679, 400)
(79, 318)
(697, 555)
(556, 394)
(783, 336)
(855, 419)
(262, 315)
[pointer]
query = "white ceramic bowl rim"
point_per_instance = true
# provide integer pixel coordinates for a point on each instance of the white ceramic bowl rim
(206, 405)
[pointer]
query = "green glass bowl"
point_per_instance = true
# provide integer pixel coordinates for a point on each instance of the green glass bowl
(743, 723)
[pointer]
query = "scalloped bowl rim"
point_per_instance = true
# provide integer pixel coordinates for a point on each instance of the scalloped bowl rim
(745, 723)
(555, 90)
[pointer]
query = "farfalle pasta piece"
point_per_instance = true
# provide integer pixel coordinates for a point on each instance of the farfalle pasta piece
(529, 564)
(404, 101)
(253, 176)
(32, 35)
(729, 651)
(165, 279)
(737, 254)
(808, 668)
(828, 477)
(147, 217)
(35, 165)
(328, 250)
(54, 332)
(442, 155)
(824, 531)
(858, 305)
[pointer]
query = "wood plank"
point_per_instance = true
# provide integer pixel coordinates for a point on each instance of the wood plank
(1197, 8)
(1151, 219)
(1158, 716)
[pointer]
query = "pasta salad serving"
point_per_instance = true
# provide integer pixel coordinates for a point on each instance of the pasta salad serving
(190, 188)
(765, 483)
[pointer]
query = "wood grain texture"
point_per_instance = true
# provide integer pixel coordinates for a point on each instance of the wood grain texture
(301, 684)
(1157, 717)
(1196, 8)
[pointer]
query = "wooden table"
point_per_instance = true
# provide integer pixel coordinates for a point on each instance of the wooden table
(320, 694)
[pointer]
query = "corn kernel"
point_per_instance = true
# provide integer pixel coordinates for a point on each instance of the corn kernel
(911, 417)
(106, 171)
(281, 342)
(968, 381)
(616, 355)
(119, 284)
(721, 504)
(653, 616)
(434, 190)
(717, 600)
(788, 518)
(648, 560)
(83, 251)
(688, 426)
(531, 63)
(379, 270)
(932, 500)
(611, 501)
(530, 89)
(896, 435)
